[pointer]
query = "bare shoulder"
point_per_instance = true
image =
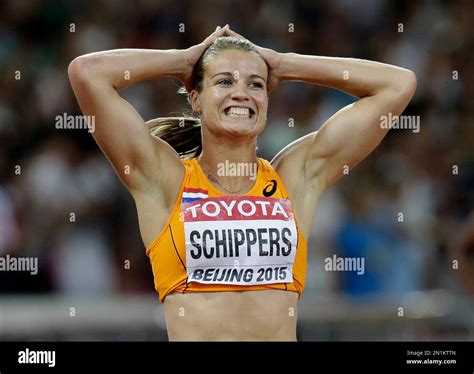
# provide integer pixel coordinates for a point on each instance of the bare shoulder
(156, 197)
(289, 163)
(172, 171)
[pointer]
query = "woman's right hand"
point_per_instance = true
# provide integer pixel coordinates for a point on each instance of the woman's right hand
(192, 55)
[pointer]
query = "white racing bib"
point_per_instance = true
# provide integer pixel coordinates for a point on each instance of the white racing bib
(239, 240)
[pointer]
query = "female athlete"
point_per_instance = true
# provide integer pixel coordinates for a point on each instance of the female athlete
(225, 230)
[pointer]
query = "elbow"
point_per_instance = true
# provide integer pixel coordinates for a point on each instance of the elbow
(75, 70)
(411, 82)
(406, 84)
(80, 69)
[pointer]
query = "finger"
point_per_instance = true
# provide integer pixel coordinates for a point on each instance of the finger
(211, 38)
(218, 32)
(232, 33)
(235, 35)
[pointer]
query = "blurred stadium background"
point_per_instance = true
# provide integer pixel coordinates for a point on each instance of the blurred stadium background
(85, 290)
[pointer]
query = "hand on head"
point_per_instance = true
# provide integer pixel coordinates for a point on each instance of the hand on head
(192, 55)
(272, 58)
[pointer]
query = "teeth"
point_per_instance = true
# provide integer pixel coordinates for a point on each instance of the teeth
(238, 112)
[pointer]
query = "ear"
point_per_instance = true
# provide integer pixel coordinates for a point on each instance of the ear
(196, 101)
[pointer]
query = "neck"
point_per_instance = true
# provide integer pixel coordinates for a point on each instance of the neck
(232, 161)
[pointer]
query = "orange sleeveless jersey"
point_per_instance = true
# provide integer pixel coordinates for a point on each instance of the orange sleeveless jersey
(200, 248)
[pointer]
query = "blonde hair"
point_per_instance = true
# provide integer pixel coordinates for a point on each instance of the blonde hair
(182, 133)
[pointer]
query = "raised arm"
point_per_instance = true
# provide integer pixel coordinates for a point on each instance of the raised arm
(138, 158)
(120, 131)
(354, 132)
(314, 162)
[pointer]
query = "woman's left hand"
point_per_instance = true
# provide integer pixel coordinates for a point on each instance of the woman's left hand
(272, 58)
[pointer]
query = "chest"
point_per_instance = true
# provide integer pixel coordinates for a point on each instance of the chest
(242, 240)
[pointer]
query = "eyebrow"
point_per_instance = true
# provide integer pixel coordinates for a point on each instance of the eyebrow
(229, 73)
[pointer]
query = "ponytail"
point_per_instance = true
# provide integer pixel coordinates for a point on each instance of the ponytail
(181, 133)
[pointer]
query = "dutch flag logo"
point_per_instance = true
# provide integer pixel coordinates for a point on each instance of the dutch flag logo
(193, 194)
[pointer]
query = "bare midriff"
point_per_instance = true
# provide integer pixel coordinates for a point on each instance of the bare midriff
(266, 315)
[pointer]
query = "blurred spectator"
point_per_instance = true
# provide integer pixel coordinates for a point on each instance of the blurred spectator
(427, 176)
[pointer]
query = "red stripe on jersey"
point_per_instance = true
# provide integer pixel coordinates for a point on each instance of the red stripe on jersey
(195, 190)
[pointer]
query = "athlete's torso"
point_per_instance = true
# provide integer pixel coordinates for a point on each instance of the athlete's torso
(234, 243)
(212, 242)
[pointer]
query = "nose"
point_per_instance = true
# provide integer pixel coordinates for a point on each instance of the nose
(240, 91)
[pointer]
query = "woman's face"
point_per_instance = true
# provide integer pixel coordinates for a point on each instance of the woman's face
(234, 97)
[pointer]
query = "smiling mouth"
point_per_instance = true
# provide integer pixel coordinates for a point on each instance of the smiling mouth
(239, 113)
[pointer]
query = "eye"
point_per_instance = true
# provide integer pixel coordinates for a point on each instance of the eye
(257, 84)
(224, 81)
